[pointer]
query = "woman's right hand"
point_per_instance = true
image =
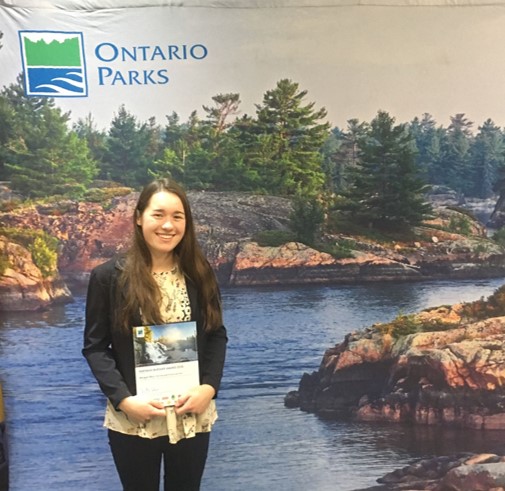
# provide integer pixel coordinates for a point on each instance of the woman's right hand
(140, 411)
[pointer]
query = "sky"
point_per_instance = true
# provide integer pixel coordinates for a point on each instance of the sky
(353, 60)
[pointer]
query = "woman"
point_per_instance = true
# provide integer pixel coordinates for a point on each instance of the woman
(163, 278)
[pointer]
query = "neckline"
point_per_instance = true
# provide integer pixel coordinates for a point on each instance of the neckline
(163, 273)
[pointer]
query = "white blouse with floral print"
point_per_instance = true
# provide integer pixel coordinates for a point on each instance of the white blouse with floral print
(175, 307)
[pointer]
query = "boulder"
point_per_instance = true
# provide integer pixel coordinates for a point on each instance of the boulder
(460, 472)
(450, 374)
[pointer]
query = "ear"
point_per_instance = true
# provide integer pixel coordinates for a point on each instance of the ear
(138, 218)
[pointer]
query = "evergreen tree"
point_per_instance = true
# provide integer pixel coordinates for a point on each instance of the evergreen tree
(185, 156)
(332, 163)
(306, 218)
(127, 156)
(428, 139)
(180, 140)
(224, 153)
(6, 116)
(155, 143)
(6, 134)
(225, 106)
(42, 157)
(340, 153)
(386, 190)
(205, 154)
(488, 156)
(177, 146)
(85, 128)
(190, 154)
(288, 137)
(454, 167)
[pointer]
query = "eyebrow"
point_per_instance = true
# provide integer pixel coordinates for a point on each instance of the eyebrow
(162, 210)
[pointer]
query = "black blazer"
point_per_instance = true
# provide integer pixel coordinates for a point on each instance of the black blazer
(109, 349)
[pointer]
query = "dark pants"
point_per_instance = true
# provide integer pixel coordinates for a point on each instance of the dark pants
(138, 461)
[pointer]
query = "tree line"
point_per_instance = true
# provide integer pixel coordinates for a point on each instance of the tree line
(378, 171)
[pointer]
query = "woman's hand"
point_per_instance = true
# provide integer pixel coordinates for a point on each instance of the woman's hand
(196, 400)
(140, 411)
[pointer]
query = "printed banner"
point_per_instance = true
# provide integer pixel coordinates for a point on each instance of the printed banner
(275, 100)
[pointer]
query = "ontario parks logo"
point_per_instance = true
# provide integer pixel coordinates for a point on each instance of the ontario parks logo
(53, 63)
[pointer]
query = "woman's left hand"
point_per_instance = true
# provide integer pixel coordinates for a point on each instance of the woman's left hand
(195, 400)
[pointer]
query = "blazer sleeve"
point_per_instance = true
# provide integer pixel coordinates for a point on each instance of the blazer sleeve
(97, 339)
(213, 357)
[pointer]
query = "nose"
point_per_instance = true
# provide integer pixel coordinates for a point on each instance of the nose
(167, 224)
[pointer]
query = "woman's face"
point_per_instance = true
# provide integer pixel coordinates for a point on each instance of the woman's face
(163, 223)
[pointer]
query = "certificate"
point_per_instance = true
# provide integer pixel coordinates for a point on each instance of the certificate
(166, 360)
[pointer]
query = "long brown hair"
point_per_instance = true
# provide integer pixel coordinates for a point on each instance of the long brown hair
(136, 281)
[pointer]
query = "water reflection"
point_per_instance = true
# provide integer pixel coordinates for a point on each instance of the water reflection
(56, 316)
(413, 441)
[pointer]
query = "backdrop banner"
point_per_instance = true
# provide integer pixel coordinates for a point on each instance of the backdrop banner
(329, 149)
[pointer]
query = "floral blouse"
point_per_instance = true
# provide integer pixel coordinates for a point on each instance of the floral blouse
(175, 307)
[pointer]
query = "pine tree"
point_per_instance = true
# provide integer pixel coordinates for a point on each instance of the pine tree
(386, 190)
(42, 156)
(428, 139)
(306, 218)
(127, 157)
(340, 153)
(287, 139)
(225, 106)
(487, 157)
(85, 128)
(223, 153)
(454, 167)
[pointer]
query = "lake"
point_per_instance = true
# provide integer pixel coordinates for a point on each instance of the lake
(55, 409)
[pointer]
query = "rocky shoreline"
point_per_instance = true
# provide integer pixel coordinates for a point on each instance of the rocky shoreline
(90, 233)
(442, 367)
(460, 472)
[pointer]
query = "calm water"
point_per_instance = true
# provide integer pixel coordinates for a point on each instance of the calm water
(55, 409)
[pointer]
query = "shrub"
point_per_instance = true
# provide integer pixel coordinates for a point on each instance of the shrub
(460, 225)
(401, 326)
(494, 306)
(42, 246)
(340, 250)
(404, 325)
(43, 257)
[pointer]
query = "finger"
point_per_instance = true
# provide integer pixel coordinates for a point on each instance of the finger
(156, 404)
(183, 408)
(182, 400)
